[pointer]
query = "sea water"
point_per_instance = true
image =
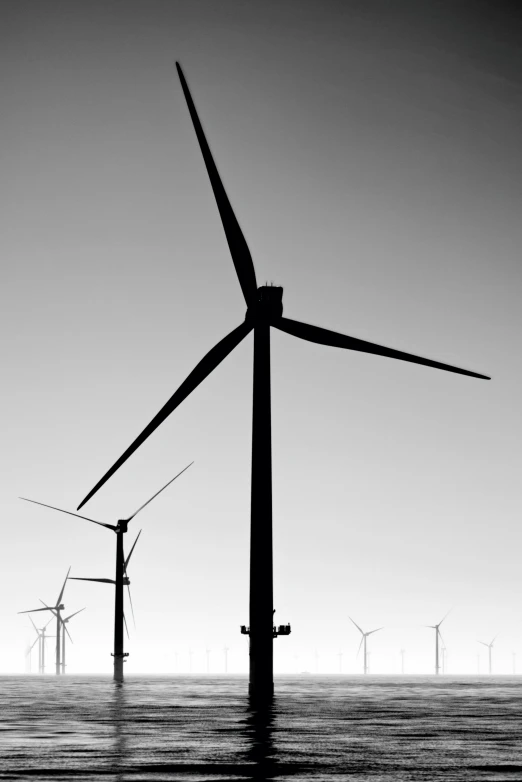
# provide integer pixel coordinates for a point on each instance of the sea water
(202, 728)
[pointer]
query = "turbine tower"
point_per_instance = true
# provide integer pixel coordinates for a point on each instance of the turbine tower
(490, 649)
(364, 643)
(437, 637)
(264, 310)
(121, 579)
(56, 610)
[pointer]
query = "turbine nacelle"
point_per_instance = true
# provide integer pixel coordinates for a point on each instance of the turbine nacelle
(267, 305)
(122, 525)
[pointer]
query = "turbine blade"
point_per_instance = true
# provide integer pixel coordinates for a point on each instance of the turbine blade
(63, 588)
(101, 580)
(159, 492)
(48, 623)
(126, 628)
(325, 337)
(71, 615)
(359, 649)
(207, 364)
(34, 644)
(34, 610)
(355, 623)
(67, 631)
(33, 624)
(132, 607)
(493, 641)
(483, 644)
(444, 617)
(375, 631)
(100, 523)
(130, 553)
(236, 241)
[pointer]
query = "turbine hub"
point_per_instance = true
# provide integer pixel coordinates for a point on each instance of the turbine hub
(122, 525)
(268, 305)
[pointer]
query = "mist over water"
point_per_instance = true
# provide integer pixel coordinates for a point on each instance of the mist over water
(201, 728)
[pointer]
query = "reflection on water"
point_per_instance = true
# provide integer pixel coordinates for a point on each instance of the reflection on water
(259, 742)
(203, 728)
(118, 715)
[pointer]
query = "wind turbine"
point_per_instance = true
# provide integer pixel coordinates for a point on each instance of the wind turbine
(40, 639)
(56, 611)
(437, 636)
(264, 309)
(65, 630)
(363, 643)
(121, 578)
(490, 648)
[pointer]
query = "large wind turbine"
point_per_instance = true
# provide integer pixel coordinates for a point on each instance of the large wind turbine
(264, 309)
(490, 649)
(56, 611)
(363, 643)
(437, 637)
(121, 578)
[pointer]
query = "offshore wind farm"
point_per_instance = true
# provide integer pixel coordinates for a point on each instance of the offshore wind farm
(364, 160)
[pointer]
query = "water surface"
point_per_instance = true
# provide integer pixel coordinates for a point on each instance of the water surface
(202, 728)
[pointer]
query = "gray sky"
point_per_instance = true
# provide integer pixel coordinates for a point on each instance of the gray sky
(371, 152)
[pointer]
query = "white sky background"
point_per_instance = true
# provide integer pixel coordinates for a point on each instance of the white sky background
(373, 161)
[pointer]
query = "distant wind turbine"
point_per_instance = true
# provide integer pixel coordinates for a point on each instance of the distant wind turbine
(264, 310)
(65, 630)
(56, 609)
(121, 579)
(437, 637)
(363, 643)
(40, 640)
(490, 649)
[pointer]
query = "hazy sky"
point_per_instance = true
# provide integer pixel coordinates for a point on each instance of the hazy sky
(371, 151)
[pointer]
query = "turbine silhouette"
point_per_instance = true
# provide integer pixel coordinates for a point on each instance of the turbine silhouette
(490, 649)
(264, 310)
(437, 637)
(64, 621)
(40, 640)
(364, 643)
(56, 610)
(121, 579)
